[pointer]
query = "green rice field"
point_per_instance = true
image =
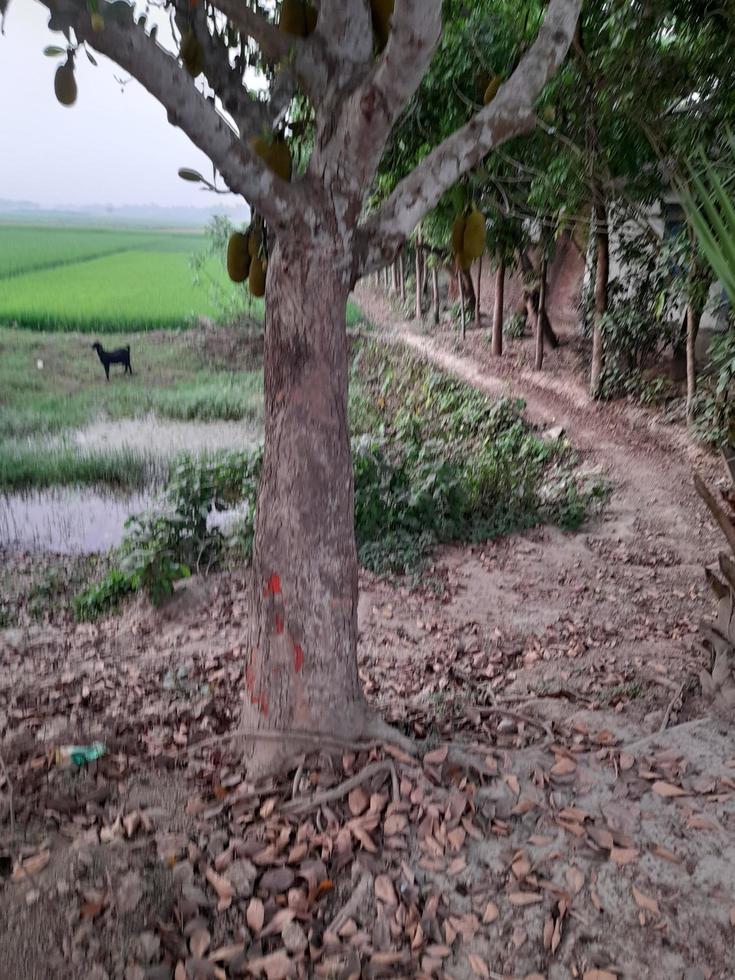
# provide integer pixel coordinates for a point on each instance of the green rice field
(106, 280)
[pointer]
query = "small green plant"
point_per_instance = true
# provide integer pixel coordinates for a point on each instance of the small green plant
(515, 326)
(105, 597)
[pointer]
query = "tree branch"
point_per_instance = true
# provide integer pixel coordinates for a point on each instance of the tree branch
(159, 72)
(510, 114)
(373, 110)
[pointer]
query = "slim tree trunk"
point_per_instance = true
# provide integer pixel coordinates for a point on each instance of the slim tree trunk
(533, 307)
(435, 294)
(602, 275)
(419, 310)
(461, 300)
(539, 363)
(478, 294)
(694, 318)
(301, 672)
(497, 347)
(394, 284)
(402, 277)
(679, 351)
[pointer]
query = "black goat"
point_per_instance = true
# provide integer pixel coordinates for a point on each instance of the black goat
(108, 357)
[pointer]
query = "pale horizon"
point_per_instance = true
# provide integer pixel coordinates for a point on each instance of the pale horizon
(113, 148)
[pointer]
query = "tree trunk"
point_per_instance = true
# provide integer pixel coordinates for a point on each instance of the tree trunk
(679, 351)
(497, 347)
(301, 671)
(602, 275)
(533, 306)
(478, 318)
(402, 277)
(394, 285)
(694, 318)
(461, 300)
(419, 310)
(469, 291)
(435, 293)
(540, 319)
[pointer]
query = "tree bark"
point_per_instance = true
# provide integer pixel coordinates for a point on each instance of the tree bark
(533, 306)
(419, 310)
(461, 300)
(539, 363)
(694, 318)
(478, 295)
(679, 351)
(394, 284)
(497, 344)
(402, 277)
(435, 294)
(302, 652)
(602, 276)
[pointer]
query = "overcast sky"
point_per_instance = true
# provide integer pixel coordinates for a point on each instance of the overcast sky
(114, 146)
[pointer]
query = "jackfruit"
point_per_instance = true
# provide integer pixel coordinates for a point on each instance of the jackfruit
(191, 54)
(238, 257)
(65, 85)
(492, 89)
(276, 155)
(473, 244)
(256, 277)
(312, 16)
(382, 11)
(293, 18)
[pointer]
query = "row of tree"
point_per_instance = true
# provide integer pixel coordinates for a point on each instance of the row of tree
(645, 84)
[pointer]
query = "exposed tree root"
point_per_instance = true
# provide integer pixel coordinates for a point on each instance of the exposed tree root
(11, 805)
(521, 718)
(359, 897)
(330, 795)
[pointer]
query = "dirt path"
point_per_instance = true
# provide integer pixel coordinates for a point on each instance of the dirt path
(611, 612)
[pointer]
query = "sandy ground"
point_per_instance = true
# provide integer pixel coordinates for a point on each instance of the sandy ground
(584, 841)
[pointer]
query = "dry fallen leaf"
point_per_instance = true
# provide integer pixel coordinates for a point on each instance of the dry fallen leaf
(624, 855)
(524, 898)
(358, 801)
(575, 880)
(667, 790)
(384, 890)
(199, 943)
(31, 866)
(599, 975)
(478, 966)
(277, 966)
(224, 888)
(437, 757)
(255, 915)
(564, 766)
(491, 913)
(645, 902)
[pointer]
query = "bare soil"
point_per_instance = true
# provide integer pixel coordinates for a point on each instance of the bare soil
(593, 835)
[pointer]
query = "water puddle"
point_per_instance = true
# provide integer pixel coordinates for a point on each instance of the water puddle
(66, 521)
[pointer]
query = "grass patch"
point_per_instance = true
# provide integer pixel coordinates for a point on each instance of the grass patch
(32, 466)
(69, 391)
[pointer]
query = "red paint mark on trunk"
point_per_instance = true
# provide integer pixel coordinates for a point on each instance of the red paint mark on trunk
(298, 657)
(279, 624)
(274, 586)
(249, 679)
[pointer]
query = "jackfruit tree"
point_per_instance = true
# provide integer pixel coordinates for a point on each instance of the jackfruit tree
(356, 65)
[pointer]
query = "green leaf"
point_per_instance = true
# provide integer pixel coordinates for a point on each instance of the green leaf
(53, 51)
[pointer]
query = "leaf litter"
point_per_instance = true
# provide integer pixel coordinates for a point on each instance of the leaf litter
(418, 883)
